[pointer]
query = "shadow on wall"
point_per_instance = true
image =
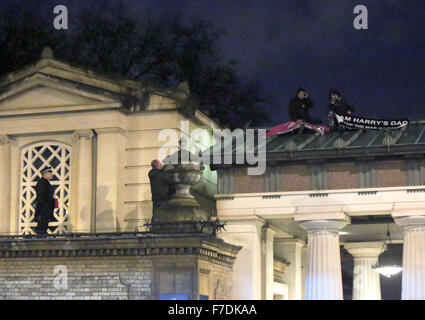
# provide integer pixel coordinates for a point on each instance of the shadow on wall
(104, 214)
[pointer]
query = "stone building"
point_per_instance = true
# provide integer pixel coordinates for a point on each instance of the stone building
(321, 199)
(320, 194)
(99, 134)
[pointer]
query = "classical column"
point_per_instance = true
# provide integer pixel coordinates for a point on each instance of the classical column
(366, 282)
(291, 250)
(324, 277)
(84, 184)
(247, 267)
(5, 180)
(111, 144)
(267, 253)
(413, 283)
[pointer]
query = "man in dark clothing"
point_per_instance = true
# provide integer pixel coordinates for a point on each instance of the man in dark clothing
(339, 106)
(160, 189)
(299, 106)
(45, 202)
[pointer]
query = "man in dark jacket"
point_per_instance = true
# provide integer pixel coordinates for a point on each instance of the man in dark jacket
(299, 107)
(45, 201)
(339, 106)
(160, 189)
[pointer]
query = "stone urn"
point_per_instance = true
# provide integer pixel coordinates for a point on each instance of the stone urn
(182, 172)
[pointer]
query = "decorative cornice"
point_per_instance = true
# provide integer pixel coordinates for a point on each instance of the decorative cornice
(215, 251)
(111, 130)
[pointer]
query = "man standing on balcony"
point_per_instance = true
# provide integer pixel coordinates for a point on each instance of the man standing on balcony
(45, 201)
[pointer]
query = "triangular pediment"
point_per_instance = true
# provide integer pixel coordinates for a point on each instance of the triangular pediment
(41, 96)
(52, 86)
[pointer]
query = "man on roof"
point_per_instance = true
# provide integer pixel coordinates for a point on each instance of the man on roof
(299, 108)
(337, 105)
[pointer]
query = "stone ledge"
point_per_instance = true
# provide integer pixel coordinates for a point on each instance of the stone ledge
(142, 244)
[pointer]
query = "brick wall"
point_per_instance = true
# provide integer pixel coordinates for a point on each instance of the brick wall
(243, 183)
(392, 173)
(295, 178)
(343, 176)
(88, 278)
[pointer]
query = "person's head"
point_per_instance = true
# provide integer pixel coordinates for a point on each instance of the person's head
(156, 164)
(334, 95)
(47, 173)
(301, 93)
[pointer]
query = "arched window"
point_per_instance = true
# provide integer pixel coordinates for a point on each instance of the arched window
(34, 159)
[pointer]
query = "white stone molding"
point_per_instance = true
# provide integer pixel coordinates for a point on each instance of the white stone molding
(324, 277)
(413, 283)
(111, 130)
(84, 134)
(366, 282)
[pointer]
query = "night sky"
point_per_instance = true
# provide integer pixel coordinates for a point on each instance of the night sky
(288, 43)
(381, 71)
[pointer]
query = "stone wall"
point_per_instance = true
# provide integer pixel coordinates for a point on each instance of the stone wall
(88, 278)
(116, 267)
(392, 173)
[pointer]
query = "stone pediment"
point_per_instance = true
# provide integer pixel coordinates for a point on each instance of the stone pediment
(45, 97)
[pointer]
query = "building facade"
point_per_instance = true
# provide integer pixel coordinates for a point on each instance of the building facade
(321, 196)
(99, 134)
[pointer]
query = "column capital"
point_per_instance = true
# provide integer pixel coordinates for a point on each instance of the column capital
(84, 134)
(364, 249)
(323, 225)
(411, 222)
(4, 139)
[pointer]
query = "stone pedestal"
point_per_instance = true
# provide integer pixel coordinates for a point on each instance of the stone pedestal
(413, 283)
(174, 219)
(324, 277)
(366, 282)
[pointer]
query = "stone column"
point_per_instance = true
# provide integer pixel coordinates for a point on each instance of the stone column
(267, 253)
(291, 251)
(247, 267)
(366, 282)
(110, 178)
(324, 277)
(83, 217)
(5, 180)
(413, 283)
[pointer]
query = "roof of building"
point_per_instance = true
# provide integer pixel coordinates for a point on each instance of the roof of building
(309, 145)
